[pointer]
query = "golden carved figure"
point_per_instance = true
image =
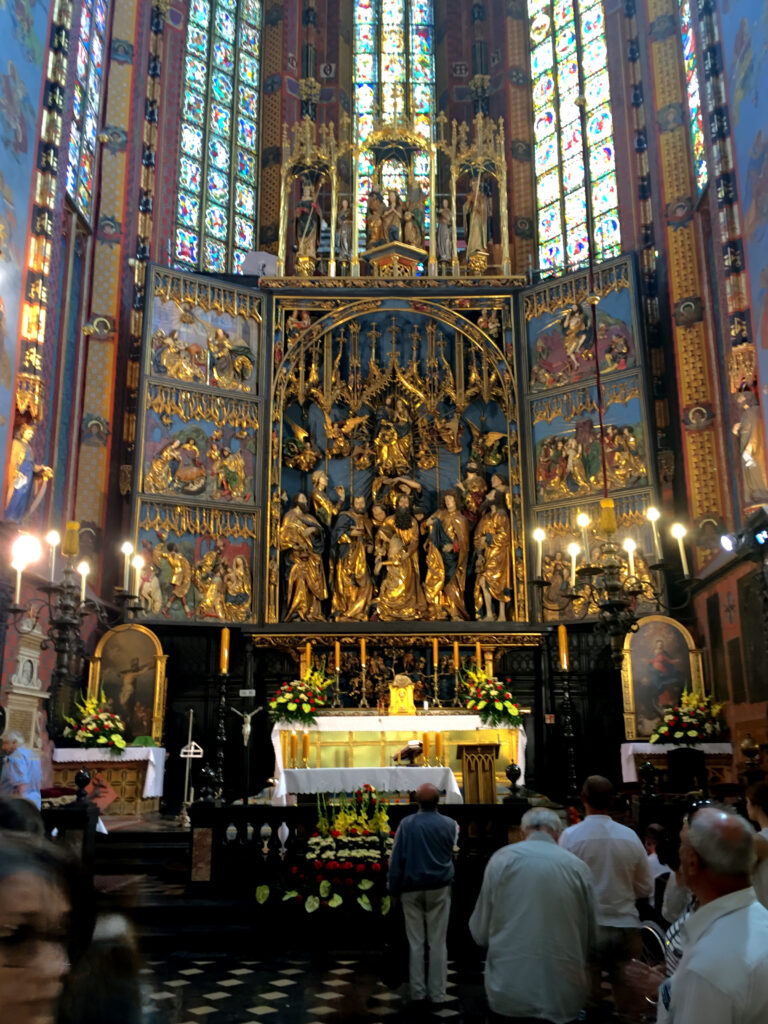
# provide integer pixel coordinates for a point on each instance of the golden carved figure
(301, 537)
(476, 218)
(397, 595)
(322, 504)
(231, 365)
(392, 217)
(393, 443)
(159, 477)
(351, 543)
(373, 222)
(408, 591)
(209, 580)
(237, 580)
(493, 545)
(181, 360)
(447, 552)
(181, 578)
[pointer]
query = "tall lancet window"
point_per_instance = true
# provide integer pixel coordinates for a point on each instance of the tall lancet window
(86, 105)
(219, 143)
(394, 78)
(559, 148)
(694, 96)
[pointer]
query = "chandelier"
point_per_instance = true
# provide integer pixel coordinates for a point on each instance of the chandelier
(65, 605)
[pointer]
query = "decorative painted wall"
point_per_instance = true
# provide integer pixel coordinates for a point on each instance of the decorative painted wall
(745, 53)
(24, 27)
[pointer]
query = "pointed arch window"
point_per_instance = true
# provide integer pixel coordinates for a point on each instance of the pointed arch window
(219, 142)
(86, 105)
(394, 77)
(696, 120)
(561, 197)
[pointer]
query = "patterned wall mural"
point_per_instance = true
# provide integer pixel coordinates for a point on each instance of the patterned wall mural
(24, 27)
(745, 53)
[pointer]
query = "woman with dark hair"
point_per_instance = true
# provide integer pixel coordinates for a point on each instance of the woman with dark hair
(35, 906)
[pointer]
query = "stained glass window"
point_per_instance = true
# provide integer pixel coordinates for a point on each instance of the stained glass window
(394, 77)
(86, 104)
(219, 141)
(558, 145)
(694, 97)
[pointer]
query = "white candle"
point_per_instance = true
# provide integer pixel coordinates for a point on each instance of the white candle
(538, 536)
(629, 547)
(582, 521)
(426, 705)
(573, 550)
(138, 565)
(17, 592)
(83, 568)
(127, 550)
(678, 532)
(54, 539)
(652, 515)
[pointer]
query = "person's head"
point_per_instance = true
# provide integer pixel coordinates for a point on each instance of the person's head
(717, 853)
(20, 815)
(427, 796)
(597, 794)
(450, 501)
(12, 740)
(659, 645)
(319, 479)
(378, 513)
(34, 912)
(358, 503)
(757, 803)
(540, 819)
(652, 837)
(300, 501)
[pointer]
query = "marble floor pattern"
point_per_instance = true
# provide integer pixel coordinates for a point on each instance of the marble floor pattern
(189, 988)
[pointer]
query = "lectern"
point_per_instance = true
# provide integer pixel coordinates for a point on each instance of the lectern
(478, 770)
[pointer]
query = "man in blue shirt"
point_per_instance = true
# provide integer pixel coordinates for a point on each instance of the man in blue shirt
(21, 774)
(421, 872)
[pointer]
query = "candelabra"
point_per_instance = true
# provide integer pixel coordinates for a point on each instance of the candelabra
(66, 607)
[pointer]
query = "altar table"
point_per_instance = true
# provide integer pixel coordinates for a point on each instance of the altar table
(370, 742)
(633, 754)
(136, 775)
(346, 780)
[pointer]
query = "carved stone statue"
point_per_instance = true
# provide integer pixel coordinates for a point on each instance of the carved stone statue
(444, 232)
(492, 542)
(26, 479)
(392, 218)
(344, 220)
(351, 543)
(307, 222)
(301, 538)
(476, 218)
(447, 553)
(749, 431)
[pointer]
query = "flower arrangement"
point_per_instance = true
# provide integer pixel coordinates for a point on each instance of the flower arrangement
(300, 700)
(696, 719)
(98, 725)
(346, 859)
(491, 699)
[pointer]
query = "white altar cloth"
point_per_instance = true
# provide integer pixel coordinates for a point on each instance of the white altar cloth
(418, 724)
(346, 780)
(155, 756)
(628, 751)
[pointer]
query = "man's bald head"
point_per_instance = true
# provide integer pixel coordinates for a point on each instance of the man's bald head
(428, 796)
(717, 853)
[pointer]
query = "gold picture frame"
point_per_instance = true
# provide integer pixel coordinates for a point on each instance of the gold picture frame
(660, 661)
(128, 666)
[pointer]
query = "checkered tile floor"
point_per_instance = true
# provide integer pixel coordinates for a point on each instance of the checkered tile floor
(189, 989)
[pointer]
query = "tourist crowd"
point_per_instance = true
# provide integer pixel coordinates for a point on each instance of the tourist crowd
(562, 909)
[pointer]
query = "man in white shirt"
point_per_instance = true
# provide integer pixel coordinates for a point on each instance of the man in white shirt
(536, 915)
(723, 975)
(619, 866)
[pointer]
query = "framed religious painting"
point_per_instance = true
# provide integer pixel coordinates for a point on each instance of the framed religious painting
(660, 663)
(128, 666)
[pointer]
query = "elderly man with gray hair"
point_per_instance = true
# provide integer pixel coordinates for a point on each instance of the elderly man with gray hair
(536, 915)
(723, 975)
(21, 774)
